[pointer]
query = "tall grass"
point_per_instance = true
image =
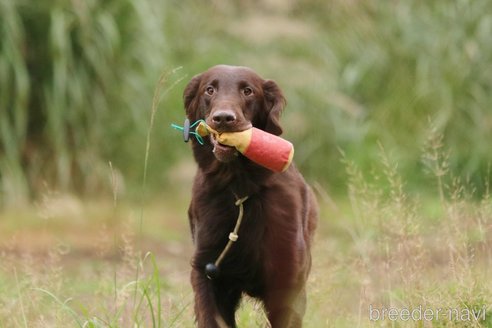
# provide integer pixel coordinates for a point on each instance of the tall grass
(77, 76)
(381, 247)
(387, 67)
(410, 252)
(38, 303)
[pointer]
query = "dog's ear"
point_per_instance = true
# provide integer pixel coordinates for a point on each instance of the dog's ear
(190, 98)
(275, 103)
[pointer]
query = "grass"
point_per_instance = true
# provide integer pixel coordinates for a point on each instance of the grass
(379, 248)
(63, 276)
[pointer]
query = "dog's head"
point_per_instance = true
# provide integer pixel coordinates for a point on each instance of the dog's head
(233, 99)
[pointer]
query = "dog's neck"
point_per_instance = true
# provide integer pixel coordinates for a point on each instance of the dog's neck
(241, 177)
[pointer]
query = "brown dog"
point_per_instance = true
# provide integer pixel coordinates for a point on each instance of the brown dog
(271, 259)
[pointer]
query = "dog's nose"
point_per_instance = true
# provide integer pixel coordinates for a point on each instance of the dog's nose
(224, 118)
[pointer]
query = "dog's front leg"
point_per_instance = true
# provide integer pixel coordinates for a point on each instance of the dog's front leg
(206, 309)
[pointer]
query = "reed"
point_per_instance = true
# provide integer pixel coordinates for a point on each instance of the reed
(77, 81)
(75, 76)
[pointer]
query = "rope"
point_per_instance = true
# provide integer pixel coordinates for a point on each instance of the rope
(212, 269)
(233, 236)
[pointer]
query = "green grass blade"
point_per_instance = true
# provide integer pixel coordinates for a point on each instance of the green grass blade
(64, 305)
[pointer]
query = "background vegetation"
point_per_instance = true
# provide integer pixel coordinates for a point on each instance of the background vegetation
(389, 107)
(77, 81)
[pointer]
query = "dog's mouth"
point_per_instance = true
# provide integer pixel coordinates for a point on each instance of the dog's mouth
(223, 153)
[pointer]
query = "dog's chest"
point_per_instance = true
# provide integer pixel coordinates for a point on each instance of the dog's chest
(214, 226)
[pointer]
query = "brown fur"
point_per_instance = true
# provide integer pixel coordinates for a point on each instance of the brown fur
(271, 259)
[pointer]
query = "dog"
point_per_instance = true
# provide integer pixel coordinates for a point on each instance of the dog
(271, 259)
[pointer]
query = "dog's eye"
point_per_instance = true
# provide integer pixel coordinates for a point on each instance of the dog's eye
(247, 91)
(210, 90)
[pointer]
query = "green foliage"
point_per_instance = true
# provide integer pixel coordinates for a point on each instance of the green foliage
(78, 77)
(77, 81)
(408, 62)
